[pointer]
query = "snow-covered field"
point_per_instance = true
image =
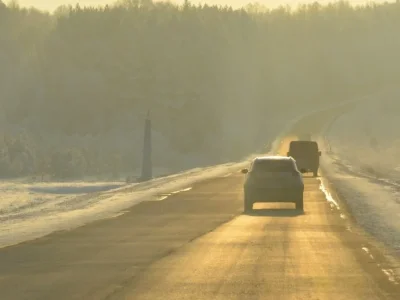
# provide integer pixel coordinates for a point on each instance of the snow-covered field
(362, 160)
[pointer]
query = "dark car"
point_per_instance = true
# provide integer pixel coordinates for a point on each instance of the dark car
(273, 179)
(306, 155)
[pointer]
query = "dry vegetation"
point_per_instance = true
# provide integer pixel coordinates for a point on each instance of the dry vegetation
(75, 85)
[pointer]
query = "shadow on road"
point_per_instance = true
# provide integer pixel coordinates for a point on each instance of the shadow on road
(275, 212)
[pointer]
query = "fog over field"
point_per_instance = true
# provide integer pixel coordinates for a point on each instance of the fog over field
(75, 85)
(368, 138)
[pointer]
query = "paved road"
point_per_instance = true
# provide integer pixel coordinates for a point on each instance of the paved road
(198, 245)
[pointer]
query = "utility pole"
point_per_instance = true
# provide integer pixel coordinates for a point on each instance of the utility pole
(147, 162)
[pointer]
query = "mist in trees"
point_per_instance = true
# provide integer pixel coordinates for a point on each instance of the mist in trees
(75, 85)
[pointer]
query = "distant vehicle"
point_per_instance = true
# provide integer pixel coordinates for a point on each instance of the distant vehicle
(273, 179)
(306, 155)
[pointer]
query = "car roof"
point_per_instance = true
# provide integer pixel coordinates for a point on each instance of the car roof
(273, 157)
(303, 142)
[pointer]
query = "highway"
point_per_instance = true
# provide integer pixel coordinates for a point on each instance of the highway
(199, 245)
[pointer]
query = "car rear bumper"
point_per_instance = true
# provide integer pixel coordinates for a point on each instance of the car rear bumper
(273, 194)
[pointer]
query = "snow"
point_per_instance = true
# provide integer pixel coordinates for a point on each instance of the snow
(31, 210)
(361, 159)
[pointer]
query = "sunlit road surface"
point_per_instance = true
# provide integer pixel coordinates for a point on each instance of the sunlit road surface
(198, 245)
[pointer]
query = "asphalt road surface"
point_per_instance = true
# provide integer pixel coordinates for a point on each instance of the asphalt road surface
(198, 245)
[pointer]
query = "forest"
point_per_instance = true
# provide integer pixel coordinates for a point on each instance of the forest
(75, 85)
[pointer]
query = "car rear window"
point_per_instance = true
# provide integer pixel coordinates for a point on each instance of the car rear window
(273, 165)
(303, 146)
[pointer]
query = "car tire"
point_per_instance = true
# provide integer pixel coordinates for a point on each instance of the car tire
(248, 204)
(300, 203)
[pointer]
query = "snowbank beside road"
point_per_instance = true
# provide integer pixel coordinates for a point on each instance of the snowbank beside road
(361, 159)
(29, 211)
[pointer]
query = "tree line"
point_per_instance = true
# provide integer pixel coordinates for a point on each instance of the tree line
(75, 85)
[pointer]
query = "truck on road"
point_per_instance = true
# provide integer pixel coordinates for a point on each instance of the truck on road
(306, 154)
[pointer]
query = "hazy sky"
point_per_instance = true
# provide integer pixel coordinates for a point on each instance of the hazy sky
(52, 4)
